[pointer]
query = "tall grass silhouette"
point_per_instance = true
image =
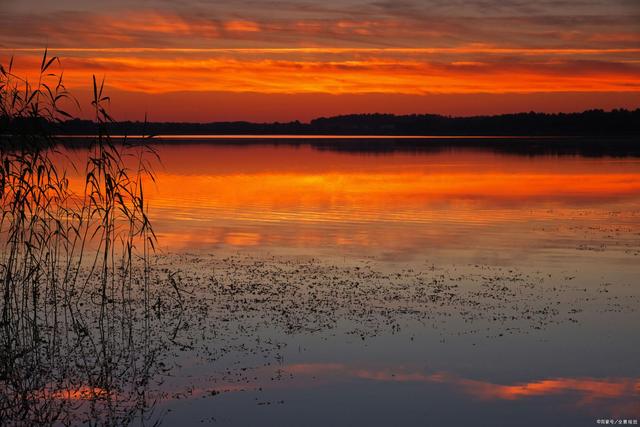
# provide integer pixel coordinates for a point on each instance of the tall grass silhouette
(75, 333)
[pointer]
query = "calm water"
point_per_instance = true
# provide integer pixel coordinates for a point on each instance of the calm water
(564, 228)
(469, 205)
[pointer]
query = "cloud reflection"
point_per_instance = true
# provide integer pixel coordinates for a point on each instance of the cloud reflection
(588, 389)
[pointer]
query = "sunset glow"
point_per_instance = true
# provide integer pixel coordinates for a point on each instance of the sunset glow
(416, 54)
(319, 213)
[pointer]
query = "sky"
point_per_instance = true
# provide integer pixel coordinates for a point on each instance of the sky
(281, 60)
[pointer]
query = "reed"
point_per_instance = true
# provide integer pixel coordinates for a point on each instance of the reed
(74, 263)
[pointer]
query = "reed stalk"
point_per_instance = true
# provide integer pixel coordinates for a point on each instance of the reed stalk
(74, 263)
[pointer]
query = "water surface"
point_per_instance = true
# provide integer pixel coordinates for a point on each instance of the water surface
(470, 204)
(410, 287)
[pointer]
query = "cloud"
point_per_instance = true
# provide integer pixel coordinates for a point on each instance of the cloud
(242, 26)
(336, 47)
(350, 71)
(377, 24)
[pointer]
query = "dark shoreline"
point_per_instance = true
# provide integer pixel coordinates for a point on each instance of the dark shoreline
(589, 133)
(588, 123)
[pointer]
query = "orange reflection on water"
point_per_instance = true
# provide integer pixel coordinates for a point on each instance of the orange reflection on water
(80, 393)
(589, 389)
(380, 189)
(243, 239)
(298, 196)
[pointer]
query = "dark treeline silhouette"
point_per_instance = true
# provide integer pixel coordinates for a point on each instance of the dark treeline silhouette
(617, 122)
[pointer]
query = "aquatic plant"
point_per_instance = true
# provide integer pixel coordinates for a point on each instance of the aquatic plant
(74, 263)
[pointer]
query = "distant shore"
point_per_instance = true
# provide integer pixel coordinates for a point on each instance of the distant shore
(590, 133)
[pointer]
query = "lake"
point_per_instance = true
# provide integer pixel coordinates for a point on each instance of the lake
(331, 283)
(562, 232)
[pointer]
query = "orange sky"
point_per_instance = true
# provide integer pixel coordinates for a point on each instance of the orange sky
(241, 61)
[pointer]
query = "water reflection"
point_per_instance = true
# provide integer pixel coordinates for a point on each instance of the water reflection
(219, 319)
(587, 390)
(92, 367)
(398, 204)
(77, 337)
